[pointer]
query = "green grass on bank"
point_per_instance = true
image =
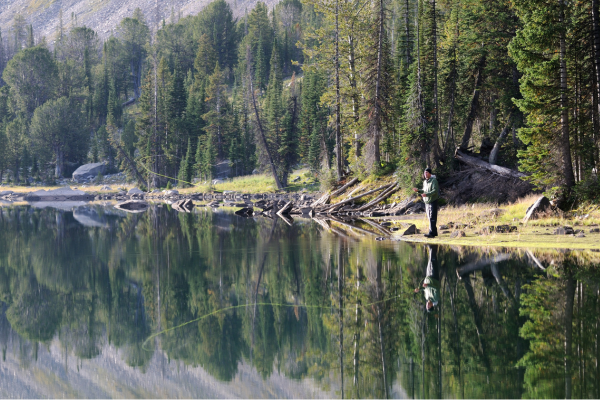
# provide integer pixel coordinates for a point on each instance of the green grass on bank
(261, 183)
(536, 233)
(299, 180)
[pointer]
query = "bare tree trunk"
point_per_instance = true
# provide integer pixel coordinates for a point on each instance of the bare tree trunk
(258, 122)
(129, 161)
(474, 106)
(58, 171)
(338, 133)
(377, 115)
(500, 141)
(596, 30)
(564, 104)
(436, 115)
(407, 23)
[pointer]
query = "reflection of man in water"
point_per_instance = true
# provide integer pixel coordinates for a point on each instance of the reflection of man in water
(431, 283)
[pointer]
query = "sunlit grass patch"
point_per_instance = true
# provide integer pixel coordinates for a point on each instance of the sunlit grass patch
(259, 183)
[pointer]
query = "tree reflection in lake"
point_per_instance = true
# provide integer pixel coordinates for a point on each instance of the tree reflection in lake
(308, 303)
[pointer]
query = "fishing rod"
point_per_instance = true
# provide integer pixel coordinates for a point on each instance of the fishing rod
(307, 306)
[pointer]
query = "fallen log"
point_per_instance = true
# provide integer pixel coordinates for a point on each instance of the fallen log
(387, 193)
(476, 162)
(322, 200)
(355, 198)
(285, 209)
(343, 188)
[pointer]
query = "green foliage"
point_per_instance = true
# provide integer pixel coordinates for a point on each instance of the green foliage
(59, 126)
(32, 77)
(407, 73)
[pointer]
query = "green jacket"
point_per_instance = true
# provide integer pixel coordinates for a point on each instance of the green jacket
(432, 291)
(431, 189)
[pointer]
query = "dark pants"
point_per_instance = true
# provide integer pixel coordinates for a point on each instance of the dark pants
(432, 270)
(432, 209)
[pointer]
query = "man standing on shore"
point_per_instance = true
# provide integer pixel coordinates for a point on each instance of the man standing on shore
(430, 194)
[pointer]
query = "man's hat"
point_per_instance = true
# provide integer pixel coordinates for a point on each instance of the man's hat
(428, 170)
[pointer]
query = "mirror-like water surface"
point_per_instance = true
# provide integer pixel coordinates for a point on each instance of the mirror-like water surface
(97, 303)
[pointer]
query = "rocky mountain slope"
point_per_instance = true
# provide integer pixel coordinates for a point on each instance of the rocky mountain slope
(101, 15)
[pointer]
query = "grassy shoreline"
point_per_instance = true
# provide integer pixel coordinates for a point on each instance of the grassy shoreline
(471, 218)
(537, 233)
(261, 183)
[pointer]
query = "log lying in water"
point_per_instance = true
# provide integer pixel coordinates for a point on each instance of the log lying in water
(350, 200)
(345, 208)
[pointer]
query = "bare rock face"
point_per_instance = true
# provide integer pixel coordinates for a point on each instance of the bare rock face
(87, 171)
(134, 191)
(411, 230)
(542, 204)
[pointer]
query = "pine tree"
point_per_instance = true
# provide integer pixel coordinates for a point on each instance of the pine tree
(540, 52)
(217, 116)
(186, 169)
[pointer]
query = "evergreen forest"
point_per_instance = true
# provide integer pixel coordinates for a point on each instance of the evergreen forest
(340, 86)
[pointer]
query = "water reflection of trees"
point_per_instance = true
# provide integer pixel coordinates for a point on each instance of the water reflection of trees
(92, 287)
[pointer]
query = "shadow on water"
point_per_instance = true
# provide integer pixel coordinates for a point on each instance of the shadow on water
(321, 303)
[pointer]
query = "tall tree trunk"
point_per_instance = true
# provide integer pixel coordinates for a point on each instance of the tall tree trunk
(474, 106)
(564, 105)
(258, 122)
(407, 23)
(436, 115)
(596, 96)
(338, 133)
(58, 171)
(353, 86)
(596, 31)
(500, 140)
(453, 73)
(376, 120)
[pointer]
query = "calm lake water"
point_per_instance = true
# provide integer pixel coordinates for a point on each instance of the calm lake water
(97, 303)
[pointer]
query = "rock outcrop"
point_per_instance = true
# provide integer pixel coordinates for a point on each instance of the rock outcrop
(541, 205)
(88, 171)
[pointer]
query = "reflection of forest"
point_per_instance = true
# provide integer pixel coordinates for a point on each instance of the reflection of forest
(500, 328)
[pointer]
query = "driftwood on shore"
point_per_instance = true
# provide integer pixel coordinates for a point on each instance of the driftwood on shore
(321, 208)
